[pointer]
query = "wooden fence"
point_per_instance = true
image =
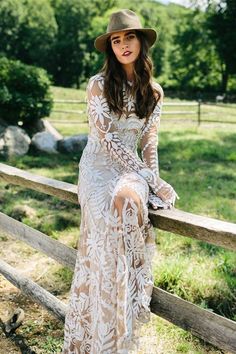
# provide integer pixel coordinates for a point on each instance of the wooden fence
(210, 327)
(197, 111)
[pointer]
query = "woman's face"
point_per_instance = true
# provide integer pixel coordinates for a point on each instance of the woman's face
(126, 46)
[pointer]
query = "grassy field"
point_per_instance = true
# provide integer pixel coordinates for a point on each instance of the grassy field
(173, 110)
(200, 163)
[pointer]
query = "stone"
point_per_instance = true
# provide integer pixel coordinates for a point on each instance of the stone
(50, 129)
(14, 141)
(41, 125)
(45, 141)
(72, 144)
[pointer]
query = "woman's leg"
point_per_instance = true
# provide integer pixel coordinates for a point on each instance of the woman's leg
(133, 273)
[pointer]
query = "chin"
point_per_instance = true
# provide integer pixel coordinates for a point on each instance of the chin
(127, 61)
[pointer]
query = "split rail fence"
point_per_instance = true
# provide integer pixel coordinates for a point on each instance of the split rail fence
(209, 326)
(197, 111)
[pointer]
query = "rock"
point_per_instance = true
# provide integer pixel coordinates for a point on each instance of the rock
(41, 125)
(15, 319)
(50, 128)
(33, 127)
(74, 144)
(13, 141)
(45, 141)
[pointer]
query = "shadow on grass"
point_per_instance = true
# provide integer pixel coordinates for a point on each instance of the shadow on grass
(67, 162)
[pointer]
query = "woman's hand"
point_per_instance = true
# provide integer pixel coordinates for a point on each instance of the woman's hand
(159, 187)
(166, 192)
(156, 202)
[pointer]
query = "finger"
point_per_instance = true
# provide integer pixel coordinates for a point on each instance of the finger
(154, 206)
(167, 195)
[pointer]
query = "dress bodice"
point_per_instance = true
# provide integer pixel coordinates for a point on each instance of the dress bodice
(112, 141)
(128, 126)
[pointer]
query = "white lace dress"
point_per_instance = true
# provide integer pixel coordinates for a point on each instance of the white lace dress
(112, 283)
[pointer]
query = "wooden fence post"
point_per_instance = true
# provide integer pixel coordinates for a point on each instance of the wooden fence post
(199, 111)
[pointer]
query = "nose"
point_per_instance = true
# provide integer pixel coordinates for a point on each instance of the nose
(124, 43)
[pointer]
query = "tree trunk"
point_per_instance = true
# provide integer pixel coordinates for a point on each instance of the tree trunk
(224, 82)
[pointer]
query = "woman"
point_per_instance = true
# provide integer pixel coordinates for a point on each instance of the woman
(112, 284)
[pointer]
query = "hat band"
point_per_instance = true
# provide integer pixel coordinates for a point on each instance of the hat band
(123, 24)
(123, 28)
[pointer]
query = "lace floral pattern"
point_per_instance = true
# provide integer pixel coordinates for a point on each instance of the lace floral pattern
(112, 282)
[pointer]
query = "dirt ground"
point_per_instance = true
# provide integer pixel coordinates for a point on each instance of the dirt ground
(38, 323)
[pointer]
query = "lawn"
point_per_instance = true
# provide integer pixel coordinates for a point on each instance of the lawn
(199, 161)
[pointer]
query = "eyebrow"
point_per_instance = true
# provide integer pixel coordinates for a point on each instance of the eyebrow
(125, 35)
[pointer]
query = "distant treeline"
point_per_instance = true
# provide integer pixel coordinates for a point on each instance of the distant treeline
(196, 50)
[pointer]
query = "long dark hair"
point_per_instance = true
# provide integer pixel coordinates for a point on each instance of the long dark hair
(146, 96)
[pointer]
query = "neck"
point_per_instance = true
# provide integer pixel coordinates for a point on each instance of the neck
(129, 70)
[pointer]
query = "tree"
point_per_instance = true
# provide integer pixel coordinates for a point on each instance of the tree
(24, 92)
(37, 33)
(193, 60)
(11, 18)
(221, 21)
(74, 53)
(27, 32)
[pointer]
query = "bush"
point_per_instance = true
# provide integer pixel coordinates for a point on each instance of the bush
(24, 92)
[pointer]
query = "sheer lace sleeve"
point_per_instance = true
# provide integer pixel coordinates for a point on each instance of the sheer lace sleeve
(149, 153)
(149, 137)
(99, 113)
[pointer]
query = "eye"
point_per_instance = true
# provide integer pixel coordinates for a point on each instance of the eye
(131, 36)
(116, 41)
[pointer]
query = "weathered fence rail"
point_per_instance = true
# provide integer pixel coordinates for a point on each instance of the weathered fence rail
(79, 102)
(203, 323)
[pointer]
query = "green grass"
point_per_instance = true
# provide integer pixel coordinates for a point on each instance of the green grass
(45, 338)
(200, 163)
(212, 112)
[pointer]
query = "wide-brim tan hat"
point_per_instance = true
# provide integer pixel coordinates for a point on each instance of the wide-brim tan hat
(121, 21)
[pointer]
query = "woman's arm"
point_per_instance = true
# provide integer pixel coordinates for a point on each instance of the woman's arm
(149, 137)
(149, 152)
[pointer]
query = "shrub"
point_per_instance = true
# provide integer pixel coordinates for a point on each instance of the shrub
(24, 92)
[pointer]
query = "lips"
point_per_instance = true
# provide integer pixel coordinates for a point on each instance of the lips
(126, 53)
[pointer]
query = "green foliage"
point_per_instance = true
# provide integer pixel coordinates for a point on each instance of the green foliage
(27, 33)
(52, 345)
(195, 50)
(75, 55)
(221, 22)
(64, 275)
(24, 92)
(38, 33)
(193, 56)
(11, 17)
